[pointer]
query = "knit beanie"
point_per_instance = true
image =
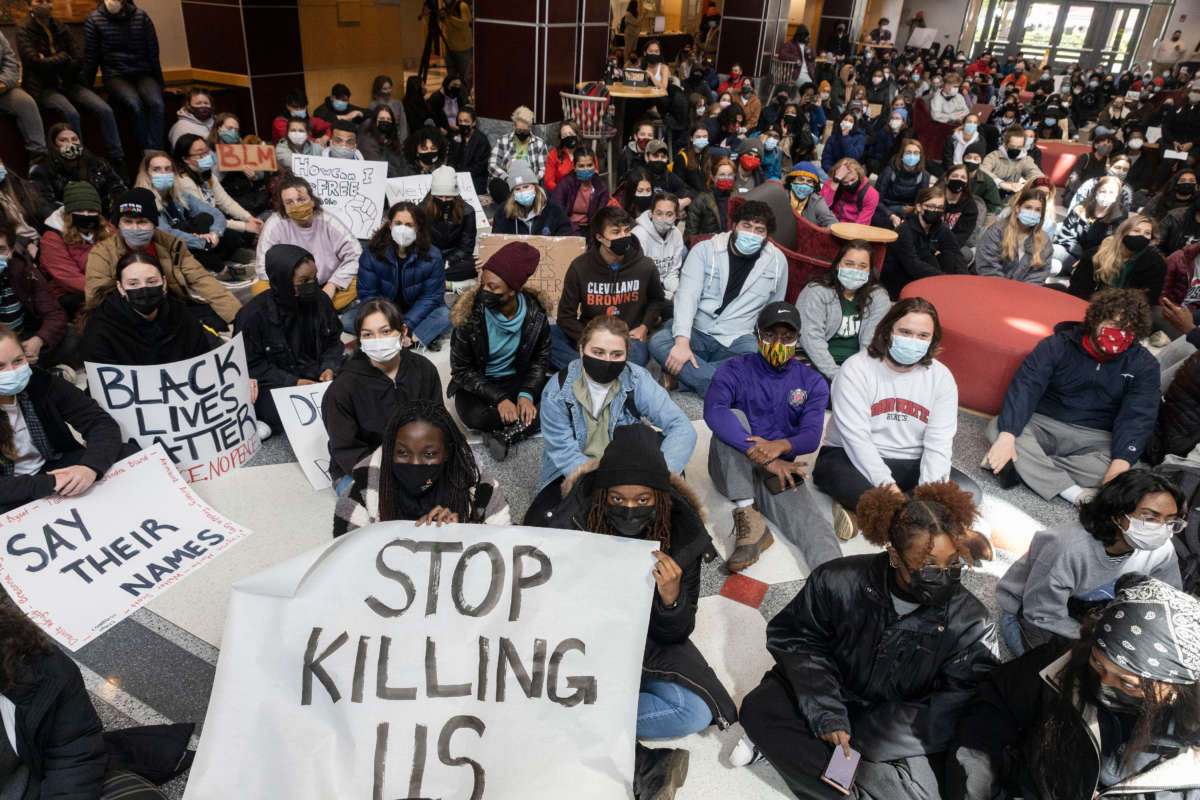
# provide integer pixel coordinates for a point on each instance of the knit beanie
(444, 183)
(80, 196)
(633, 458)
(806, 169)
(520, 173)
(514, 263)
(137, 202)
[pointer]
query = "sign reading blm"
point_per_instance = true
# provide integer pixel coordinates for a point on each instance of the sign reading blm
(350, 190)
(198, 409)
(466, 661)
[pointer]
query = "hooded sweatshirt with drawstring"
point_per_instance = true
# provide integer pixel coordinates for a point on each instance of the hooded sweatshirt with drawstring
(665, 251)
(593, 287)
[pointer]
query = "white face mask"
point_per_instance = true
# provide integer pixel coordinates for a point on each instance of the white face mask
(297, 137)
(114, 6)
(403, 235)
(380, 350)
(1147, 535)
(1106, 199)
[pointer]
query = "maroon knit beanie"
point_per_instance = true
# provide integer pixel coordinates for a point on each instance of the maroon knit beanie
(514, 263)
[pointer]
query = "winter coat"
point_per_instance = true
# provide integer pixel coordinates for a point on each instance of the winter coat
(116, 334)
(59, 404)
(703, 216)
(1181, 266)
(564, 425)
(963, 218)
(999, 733)
(455, 240)
(418, 285)
(567, 190)
(669, 654)
(816, 211)
(820, 310)
(49, 59)
(843, 145)
(186, 123)
(472, 157)
(44, 317)
(552, 221)
(1177, 427)
(120, 45)
(666, 253)
(373, 148)
(988, 260)
(1149, 272)
(64, 264)
(1003, 169)
(1179, 229)
(898, 188)
(326, 111)
(51, 176)
(858, 207)
(470, 348)
(897, 684)
(1063, 381)
(557, 168)
(912, 256)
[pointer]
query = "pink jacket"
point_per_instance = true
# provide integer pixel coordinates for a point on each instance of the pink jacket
(64, 264)
(858, 208)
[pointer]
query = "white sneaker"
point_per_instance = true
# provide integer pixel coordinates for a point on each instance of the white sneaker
(744, 753)
(264, 431)
(1086, 496)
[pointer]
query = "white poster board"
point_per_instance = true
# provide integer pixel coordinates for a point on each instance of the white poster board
(1153, 133)
(79, 565)
(198, 409)
(300, 409)
(406, 662)
(414, 188)
(922, 38)
(350, 190)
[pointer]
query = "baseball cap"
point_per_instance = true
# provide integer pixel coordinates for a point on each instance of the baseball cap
(779, 313)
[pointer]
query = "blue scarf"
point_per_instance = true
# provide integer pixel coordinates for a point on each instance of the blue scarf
(504, 335)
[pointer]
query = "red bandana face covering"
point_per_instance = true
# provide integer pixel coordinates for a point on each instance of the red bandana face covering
(1110, 341)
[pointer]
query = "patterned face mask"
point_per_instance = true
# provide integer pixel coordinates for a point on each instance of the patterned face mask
(777, 354)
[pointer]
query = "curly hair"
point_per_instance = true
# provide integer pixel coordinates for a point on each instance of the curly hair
(887, 517)
(1126, 306)
(381, 242)
(289, 180)
(21, 639)
(660, 529)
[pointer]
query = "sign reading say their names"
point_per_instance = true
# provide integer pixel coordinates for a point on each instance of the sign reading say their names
(79, 565)
(300, 409)
(198, 409)
(350, 190)
(414, 189)
(461, 661)
(234, 157)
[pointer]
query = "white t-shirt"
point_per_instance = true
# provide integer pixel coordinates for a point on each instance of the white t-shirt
(597, 392)
(29, 460)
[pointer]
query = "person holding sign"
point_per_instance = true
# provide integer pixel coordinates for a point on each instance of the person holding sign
(878, 655)
(302, 222)
(500, 350)
(374, 383)
(424, 471)
(528, 209)
(293, 335)
(630, 492)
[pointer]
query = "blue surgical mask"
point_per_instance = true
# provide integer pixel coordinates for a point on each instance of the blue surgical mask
(163, 180)
(137, 238)
(699, 144)
(1028, 142)
(229, 136)
(3, 174)
(585, 174)
(969, 128)
(1029, 218)
(801, 190)
(526, 197)
(339, 105)
(771, 143)
(1050, 122)
(907, 351)
(748, 243)
(298, 113)
(14, 381)
(206, 162)
(910, 159)
(852, 279)
(3, 263)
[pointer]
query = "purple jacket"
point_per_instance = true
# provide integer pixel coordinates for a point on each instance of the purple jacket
(788, 404)
(566, 190)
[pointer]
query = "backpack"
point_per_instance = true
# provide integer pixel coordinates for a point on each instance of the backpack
(1187, 541)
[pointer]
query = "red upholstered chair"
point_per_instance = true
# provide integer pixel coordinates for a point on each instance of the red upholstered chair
(1058, 159)
(989, 326)
(933, 135)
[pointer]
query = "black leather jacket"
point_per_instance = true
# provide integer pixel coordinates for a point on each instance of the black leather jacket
(469, 348)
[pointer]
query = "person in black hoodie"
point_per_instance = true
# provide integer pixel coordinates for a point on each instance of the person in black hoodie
(372, 384)
(470, 149)
(630, 492)
(878, 653)
(337, 106)
(293, 336)
(451, 224)
(925, 246)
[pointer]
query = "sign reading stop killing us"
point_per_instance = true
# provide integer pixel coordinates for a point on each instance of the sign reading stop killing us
(79, 565)
(300, 410)
(460, 662)
(198, 409)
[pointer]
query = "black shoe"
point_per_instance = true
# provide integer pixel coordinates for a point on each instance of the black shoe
(435, 345)
(496, 446)
(1007, 477)
(657, 774)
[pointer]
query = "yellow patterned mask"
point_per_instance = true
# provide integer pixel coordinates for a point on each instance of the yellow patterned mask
(777, 354)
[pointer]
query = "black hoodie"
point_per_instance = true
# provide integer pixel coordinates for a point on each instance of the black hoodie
(592, 288)
(116, 334)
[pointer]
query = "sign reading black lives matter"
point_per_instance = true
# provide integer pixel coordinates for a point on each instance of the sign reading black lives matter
(466, 661)
(198, 409)
(79, 565)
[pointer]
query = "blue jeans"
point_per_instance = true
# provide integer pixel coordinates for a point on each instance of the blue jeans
(428, 329)
(343, 484)
(1010, 630)
(562, 352)
(16, 101)
(668, 711)
(709, 354)
(65, 103)
(142, 96)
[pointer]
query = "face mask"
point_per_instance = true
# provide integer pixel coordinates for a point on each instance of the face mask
(298, 113)
(85, 222)
(969, 128)
(853, 279)
(307, 293)
(387, 127)
(1029, 218)
(428, 159)
(699, 144)
(339, 105)
(114, 6)
(620, 245)
(724, 184)
(724, 104)
(748, 243)
(137, 238)
(777, 354)
(1106, 199)
(569, 141)
(877, 80)
(380, 350)
(1004, 123)
(629, 522)
(1147, 535)
(910, 159)
(1111, 697)
(490, 299)
(202, 113)
(338, 151)
(657, 169)
(71, 151)
(1134, 242)
(770, 143)
(1045, 76)
(932, 217)
(403, 235)
(932, 592)
(663, 226)
(956, 185)
(896, 124)
(145, 300)
(1013, 152)
(297, 137)
(205, 162)
(1077, 90)
(302, 213)
(1112, 341)
(846, 126)
(464, 130)
(1185, 189)
(801, 190)
(907, 351)
(163, 180)
(525, 197)
(229, 136)
(824, 96)
(601, 371)
(417, 479)
(1135, 144)
(14, 381)
(1103, 149)
(1092, 84)
(523, 135)
(749, 162)
(585, 175)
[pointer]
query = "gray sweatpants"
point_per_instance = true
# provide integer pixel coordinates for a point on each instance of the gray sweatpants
(1053, 456)
(1171, 358)
(795, 513)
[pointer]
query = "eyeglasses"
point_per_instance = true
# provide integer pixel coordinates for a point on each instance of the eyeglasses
(1175, 525)
(779, 338)
(932, 572)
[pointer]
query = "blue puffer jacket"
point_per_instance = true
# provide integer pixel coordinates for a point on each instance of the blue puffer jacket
(418, 286)
(119, 44)
(839, 146)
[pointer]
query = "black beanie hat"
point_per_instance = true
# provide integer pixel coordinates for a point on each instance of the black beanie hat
(633, 457)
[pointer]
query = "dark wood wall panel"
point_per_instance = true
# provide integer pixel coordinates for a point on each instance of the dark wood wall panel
(560, 68)
(511, 10)
(214, 37)
(504, 71)
(275, 33)
(755, 9)
(739, 43)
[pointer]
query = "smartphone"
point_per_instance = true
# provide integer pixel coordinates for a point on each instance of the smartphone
(840, 772)
(775, 484)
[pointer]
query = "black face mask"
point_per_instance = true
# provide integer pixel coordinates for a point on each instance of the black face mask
(417, 479)
(971, 165)
(85, 222)
(657, 168)
(1134, 242)
(653, 58)
(522, 135)
(1013, 152)
(629, 522)
(932, 217)
(602, 371)
(641, 203)
(306, 293)
(570, 141)
(1111, 697)
(847, 186)
(1181, 189)
(931, 593)
(956, 185)
(791, 119)
(621, 245)
(145, 300)
(444, 207)
(386, 127)
(490, 299)
(429, 159)
(465, 130)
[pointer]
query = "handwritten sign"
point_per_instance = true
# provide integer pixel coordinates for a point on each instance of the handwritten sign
(557, 253)
(414, 189)
(461, 661)
(79, 565)
(350, 190)
(300, 409)
(198, 409)
(235, 157)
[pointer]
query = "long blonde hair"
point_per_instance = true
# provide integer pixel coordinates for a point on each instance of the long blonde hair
(514, 210)
(143, 177)
(1010, 249)
(1112, 254)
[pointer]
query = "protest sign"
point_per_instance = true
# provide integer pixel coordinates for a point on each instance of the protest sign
(922, 38)
(79, 565)
(350, 190)
(414, 188)
(557, 253)
(198, 409)
(300, 409)
(234, 157)
(452, 662)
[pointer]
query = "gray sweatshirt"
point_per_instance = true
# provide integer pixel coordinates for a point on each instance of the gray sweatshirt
(1067, 562)
(821, 317)
(988, 260)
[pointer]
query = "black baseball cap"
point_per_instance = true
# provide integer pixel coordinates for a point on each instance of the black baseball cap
(779, 313)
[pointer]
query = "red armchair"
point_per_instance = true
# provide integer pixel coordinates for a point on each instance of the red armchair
(933, 135)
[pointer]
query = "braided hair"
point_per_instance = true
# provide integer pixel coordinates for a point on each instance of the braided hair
(660, 529)
(460, 473)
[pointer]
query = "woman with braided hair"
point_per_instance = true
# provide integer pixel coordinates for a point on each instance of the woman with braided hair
(877, 653)
(423, 471)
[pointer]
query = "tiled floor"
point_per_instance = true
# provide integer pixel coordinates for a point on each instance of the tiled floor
(159, 664)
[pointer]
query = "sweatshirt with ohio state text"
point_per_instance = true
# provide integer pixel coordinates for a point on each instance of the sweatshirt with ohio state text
(592, 288)
(879, 413)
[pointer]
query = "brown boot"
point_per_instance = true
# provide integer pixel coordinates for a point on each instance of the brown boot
(979, 546)
(750, 536)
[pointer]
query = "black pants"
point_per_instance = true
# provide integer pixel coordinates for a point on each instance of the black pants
(265, 410)
(480, 414)
(837, 476)
(204, 313)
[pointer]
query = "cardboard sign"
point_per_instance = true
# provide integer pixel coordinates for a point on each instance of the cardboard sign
(350, 190)
(79, 565)
(557, 253)
(414, 189)
(198, 409)
(300, 409)
(465, 661)
(235, 157)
